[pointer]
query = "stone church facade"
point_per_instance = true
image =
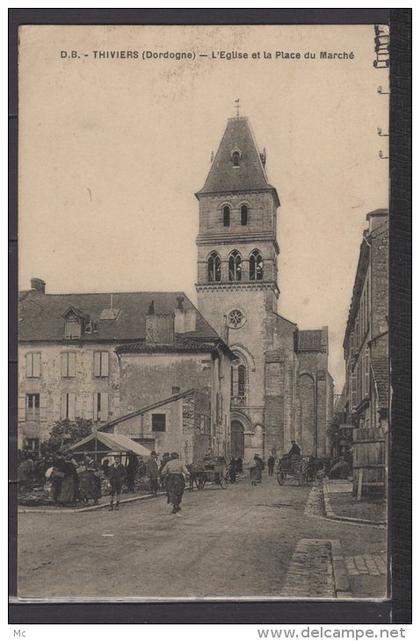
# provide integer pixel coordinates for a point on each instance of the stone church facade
(280, 386)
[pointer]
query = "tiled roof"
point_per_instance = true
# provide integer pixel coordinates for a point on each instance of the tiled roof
(309, 340)
(249, 175)
(41, 316)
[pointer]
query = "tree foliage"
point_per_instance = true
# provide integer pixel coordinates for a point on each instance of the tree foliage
(66, 432)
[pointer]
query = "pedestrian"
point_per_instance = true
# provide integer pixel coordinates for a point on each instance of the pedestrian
(131, 471)
(256, 471)
(175, 474)
(232, 470)
(270, 464)
(165, 458)
(57, 476)
(153, 472)
(69, 488)
(89, 481)
(239, 465)
(116, 478)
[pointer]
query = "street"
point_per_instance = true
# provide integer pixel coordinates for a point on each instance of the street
(240, 542)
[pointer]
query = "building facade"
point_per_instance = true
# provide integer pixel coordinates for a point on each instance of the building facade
(100, 356)
(280, 382)
(366, 351)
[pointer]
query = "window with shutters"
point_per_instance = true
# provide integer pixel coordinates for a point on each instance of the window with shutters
(158, 422)
(32, 407)
(68, 364)
(32, 444)
(101, 364)
(33, 365)
(68, 406)
(100, 406)
(73, 328)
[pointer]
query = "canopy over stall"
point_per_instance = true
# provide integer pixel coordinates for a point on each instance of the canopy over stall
(100, 444)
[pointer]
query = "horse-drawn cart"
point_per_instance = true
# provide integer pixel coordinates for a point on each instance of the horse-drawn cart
(210, 470)
(292, 467)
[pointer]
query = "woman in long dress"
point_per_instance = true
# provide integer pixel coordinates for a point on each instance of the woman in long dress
(175, 474)
(69, 483)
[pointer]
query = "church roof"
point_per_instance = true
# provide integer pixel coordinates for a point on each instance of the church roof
(250, 175)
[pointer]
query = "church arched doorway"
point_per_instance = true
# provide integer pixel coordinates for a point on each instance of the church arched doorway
(237, 439)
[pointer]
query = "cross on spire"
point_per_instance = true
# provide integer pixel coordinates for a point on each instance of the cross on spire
(237, 107)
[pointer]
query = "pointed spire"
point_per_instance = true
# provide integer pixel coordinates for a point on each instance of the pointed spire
(237, 165)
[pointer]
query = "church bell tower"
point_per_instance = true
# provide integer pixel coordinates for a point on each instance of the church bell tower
(236, 286)
(237, 244)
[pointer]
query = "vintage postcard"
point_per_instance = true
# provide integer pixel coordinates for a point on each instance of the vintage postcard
(203, 372)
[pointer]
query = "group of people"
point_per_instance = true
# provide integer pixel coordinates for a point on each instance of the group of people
(259, 465)
(169, 473)
(68, 480)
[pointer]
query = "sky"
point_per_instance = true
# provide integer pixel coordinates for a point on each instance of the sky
(111, 152)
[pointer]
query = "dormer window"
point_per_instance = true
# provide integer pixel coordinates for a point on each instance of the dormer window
(75, 321)
(73, 328)
(235, 157)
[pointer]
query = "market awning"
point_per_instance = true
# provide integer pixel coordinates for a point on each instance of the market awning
(100, 441)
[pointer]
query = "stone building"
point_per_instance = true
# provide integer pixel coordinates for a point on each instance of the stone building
(182, 422)
(366, 338)
(76, 349)
(366, 352)
(280, 386)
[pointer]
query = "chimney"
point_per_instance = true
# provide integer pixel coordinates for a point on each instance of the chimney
(38, 285)
(324, 339)
(185, 319)
(376, 218)
(160, 328)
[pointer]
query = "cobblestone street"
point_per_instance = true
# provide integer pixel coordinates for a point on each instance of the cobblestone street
(265, 541)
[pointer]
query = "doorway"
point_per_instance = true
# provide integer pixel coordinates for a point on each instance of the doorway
(237, 439)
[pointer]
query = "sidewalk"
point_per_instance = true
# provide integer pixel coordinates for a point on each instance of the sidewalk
(341, 505)
(103, 502)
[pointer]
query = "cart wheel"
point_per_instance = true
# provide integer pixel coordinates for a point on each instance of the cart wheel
(281, 477)
(222, 483)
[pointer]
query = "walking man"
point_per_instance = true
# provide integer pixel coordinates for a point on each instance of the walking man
(152, 467)
(116, 478)
(270, 464)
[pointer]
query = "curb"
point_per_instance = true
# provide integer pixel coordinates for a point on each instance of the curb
(340, 576)
(90, 508)
(350, 519)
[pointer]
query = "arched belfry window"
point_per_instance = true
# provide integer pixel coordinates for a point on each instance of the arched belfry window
(256, 270)
(226, 216)
(239, 382)
(244, 215)
(235, 266)
(214, 268)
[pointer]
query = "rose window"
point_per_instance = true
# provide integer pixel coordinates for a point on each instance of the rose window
(236, 318)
